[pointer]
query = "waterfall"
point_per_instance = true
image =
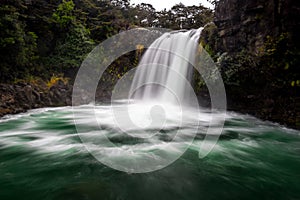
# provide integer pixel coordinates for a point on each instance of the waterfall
(165, 68)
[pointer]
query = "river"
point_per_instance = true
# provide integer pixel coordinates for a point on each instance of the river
(43, 157)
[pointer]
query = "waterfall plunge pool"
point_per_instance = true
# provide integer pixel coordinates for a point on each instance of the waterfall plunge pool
(42, 157)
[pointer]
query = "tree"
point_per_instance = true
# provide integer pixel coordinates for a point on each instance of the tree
(64, 13)
(18, 45)
(74, 40)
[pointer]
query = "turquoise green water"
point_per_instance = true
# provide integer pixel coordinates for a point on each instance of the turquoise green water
(41, 157)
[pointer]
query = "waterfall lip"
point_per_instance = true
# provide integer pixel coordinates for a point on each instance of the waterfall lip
(174, 55)
(179, 31)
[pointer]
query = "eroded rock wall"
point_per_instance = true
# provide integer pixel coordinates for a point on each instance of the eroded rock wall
(244, 24)
(257, 46)
(20, 97)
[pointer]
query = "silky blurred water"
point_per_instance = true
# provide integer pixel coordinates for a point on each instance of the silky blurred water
(42, 157)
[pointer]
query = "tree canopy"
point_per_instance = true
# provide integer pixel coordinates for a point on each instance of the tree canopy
(40, 37)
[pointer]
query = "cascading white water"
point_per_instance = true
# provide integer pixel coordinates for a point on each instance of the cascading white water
(165, 69)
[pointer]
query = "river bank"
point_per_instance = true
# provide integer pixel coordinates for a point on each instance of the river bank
(23, 96)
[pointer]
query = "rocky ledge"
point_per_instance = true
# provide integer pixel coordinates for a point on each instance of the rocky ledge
(20, 97)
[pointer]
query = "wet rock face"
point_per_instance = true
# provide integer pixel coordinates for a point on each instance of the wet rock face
(246, 23)
(21, 97)
(261, 81)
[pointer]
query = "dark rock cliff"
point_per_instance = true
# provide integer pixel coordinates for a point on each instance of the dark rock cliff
(258, 52)
(246, 23)
(20, 97)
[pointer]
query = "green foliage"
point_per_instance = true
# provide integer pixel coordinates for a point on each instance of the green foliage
(72, 48)
(41, 38)
(275, 46)
(179, 17)
(240, 70)
(64, 13)
(295, 83)
(18, 46)
(209, 38)
(33, 80)
(281, 60)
